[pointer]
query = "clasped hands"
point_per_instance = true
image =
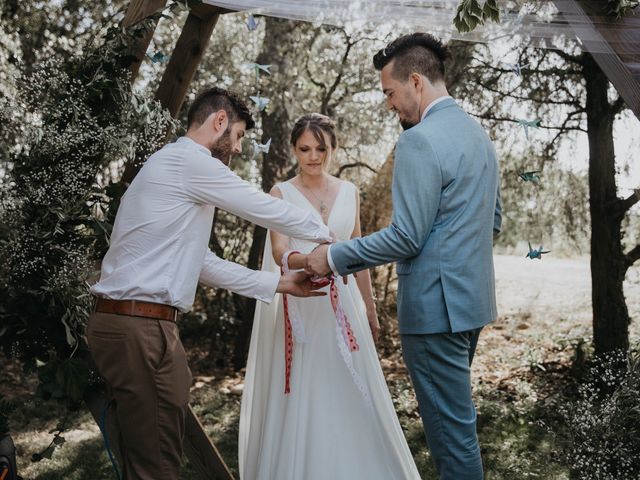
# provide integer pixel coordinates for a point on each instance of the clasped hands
(307, 282)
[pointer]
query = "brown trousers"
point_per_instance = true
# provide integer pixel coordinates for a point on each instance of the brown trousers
(145, 367)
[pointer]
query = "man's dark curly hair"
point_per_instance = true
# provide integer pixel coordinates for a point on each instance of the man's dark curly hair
(213, 99)
(417, 52)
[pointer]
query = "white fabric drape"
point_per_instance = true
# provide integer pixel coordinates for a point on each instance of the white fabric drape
(540, 21)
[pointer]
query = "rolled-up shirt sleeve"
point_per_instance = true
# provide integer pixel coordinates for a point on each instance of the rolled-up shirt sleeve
(219, 273)
(206, 180)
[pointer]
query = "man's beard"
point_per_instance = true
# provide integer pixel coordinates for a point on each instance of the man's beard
(222, 148)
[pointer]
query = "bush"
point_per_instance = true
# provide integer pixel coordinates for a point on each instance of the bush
(604, 422)
(67, 122)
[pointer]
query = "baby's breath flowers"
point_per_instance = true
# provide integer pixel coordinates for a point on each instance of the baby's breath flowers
(68, 121)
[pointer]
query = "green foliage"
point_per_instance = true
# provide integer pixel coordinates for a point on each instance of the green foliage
(604, 422)
(470, 14)
(71, 119)
(6, 407)
(620, 8)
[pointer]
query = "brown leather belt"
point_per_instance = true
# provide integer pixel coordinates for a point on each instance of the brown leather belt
(135, 308)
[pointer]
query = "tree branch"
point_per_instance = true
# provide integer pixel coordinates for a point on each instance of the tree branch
(544, 127)
(354, 165)
(630, 201)
(633, 256)
(568, 57)
(324, 108)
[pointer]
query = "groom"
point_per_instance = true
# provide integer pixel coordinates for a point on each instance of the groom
(157, 255)
(446, 209)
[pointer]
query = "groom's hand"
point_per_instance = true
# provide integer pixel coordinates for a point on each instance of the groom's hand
(317, 263)
(299, 284)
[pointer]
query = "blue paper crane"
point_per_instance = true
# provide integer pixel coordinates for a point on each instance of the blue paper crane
(259, 147)
(516, 68)
(158, 57)
(261, 102)
(526, 124)
(252, 23)
(258, 68)
(536, 253)
(530, 176)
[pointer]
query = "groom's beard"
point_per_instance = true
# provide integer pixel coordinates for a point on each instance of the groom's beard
(222, 149)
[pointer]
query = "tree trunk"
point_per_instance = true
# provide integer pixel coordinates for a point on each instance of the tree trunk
(279, 36)
(608, 267)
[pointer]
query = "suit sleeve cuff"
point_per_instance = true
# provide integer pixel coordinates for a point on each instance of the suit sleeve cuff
(332, 266)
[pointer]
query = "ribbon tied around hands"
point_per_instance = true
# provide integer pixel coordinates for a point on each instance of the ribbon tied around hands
(294, 329)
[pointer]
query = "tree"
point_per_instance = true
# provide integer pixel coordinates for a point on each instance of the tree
(567, 90)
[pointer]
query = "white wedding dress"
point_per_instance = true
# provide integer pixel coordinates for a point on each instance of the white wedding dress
(326, 428)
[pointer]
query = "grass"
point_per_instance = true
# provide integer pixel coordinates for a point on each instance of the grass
(516, 444)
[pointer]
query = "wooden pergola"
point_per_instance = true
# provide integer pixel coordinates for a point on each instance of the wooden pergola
(613, 42)
(619, 59)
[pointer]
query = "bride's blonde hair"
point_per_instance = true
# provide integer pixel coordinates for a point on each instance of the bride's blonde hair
(318, 125)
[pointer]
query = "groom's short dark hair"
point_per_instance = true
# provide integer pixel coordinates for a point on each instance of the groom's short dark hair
(417, 52)
(213, 99)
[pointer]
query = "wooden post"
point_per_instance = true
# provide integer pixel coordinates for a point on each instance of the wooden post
(139, 10)
(613, 43)
(198, 448)
(201, 452)
(182, 66)
(187, 55)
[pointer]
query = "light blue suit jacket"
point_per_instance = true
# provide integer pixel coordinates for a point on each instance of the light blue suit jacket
(446, 206)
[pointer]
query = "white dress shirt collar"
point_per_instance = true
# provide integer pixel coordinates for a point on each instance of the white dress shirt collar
(193, 143)
(433, 104)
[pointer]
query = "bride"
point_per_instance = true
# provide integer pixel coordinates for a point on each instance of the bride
(319, 409)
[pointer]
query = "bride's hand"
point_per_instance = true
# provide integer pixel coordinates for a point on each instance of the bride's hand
(374, 325)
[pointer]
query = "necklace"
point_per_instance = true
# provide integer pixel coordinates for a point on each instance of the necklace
(323, 206)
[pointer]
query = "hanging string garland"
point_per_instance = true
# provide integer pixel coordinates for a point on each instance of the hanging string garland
(260, 101)
(252, 23)
(158, 57)
(527, 124)
(530, 176)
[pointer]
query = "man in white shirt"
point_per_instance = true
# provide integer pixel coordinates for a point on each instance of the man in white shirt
(158, 253)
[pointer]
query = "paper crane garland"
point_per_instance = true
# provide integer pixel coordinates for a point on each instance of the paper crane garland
(261, 102)
(259, 147)
(516, 68)
(252, 23)
(158, 57)
(530, 176)
(526, 124)
(257, 68)
(533, 254)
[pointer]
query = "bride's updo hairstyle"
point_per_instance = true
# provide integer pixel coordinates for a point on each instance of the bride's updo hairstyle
(318, 125)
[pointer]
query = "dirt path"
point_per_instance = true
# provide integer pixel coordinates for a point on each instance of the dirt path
(543, 305)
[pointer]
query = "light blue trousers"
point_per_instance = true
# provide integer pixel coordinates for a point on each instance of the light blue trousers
(439, 365)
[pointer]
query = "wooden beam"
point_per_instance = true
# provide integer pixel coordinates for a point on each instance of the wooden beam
(201, 452)
(186, 56)
(139, 10)
(613, 43)
(181, 68)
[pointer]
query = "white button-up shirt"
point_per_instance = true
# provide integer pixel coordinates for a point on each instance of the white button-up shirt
(159, 244)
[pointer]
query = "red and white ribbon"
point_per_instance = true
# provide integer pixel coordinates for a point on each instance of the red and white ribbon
(345, 338)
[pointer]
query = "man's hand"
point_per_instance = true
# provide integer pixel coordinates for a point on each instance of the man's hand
(317, 263)
(299, 284)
